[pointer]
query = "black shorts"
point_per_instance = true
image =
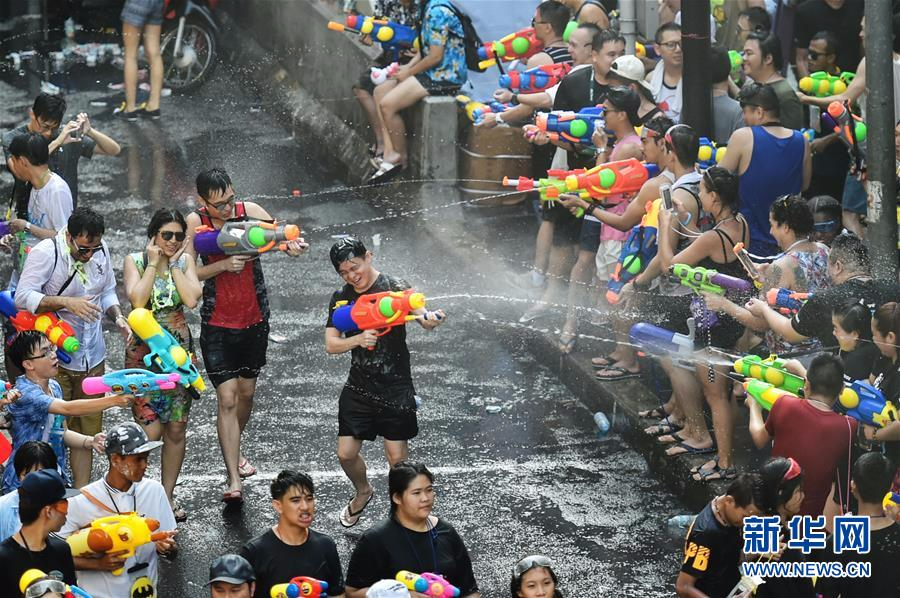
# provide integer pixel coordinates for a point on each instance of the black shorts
(231, 353)
(672, 313)
(365, 81)
(589, 238)
(435, 88)
(365, 417)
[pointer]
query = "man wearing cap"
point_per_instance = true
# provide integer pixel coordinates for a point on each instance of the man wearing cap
(231, 576)
(34, 455)
(123, 490)
(379, 398)
(42, 509)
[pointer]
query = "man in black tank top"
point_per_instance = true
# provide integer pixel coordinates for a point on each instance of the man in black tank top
(591, 11)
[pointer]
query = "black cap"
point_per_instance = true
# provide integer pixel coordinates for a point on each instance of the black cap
(230, 568)
(346, 249)
(129, 439)
(45, 487)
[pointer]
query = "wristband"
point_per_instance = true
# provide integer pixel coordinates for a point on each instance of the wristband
(27, 226)
(499, 120)
(515, 99)
(86, 443)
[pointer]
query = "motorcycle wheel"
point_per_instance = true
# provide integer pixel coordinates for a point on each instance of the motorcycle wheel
(198, 57)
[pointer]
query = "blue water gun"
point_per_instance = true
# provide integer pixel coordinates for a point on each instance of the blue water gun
(867, 405)
(638, 250)
(575, 127)
(166, 353)
(131, 381)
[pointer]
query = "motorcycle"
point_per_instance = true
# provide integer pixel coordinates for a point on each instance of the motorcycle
(189, 42)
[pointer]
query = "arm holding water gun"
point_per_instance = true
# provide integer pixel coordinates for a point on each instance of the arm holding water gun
(854, 90)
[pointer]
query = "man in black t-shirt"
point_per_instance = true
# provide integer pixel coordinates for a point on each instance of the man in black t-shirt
(379, 398)
(42, 508)
(290, 548)
(841, 17)
(712, 548)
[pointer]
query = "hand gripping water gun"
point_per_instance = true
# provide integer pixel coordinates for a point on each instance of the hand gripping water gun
(709, 153)
(867, 405)
(821, 85)
(515, 46)
(744, 257)
(638, 250)
(430, 584)
(698, 279)
(539, 78)
(575, 127)
(891, 499)
(165, 352)
(476, 110)
(35, 576)
(786, 301)
(659, 341)
(300, 587)
(380, 76)
(645, 51)
(392, 36)
(129, 381)
(770, 370)
(737, 61)
(764, 393)
(58, 331)
(849, 127)
(248, 237)
(377, 311)
(125, 531)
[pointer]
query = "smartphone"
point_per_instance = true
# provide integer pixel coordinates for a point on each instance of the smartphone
(665, 191)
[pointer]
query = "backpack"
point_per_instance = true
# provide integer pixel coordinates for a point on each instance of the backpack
(471, 39)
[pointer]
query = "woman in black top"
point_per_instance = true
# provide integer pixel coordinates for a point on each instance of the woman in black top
(886, 378)
(533, 577)
(412, 539)
(852, 323)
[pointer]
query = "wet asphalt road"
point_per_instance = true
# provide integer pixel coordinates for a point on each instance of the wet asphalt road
(532, 478)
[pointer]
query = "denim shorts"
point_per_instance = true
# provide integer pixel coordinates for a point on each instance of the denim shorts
(143, 12)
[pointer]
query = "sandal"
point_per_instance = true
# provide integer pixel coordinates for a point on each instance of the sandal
(603, 362)
(245, 468)
(348, 513)
(385, 172)
(180, 514)
(655, 413)
(567, 342)
(687, 449)
(233, 497)
(662, 429)
(696, 468)
(617, 374)
(715, 474)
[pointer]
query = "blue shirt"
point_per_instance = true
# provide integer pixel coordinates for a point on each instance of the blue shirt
(9, 514)
(443, 28)
(32, 420)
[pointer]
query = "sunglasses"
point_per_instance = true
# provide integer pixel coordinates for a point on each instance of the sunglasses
(813, 55)
(825, 226)
(168, 235)
(529, 563)
(87, 250)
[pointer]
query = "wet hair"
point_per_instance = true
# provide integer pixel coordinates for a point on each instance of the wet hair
(683, 140)
(850, 250)
(769, 45)
(28, 510)
(162, 217)
(34, 454)
(346, 249)
(288, 479)
(31, 146)
(793, 211)
(855, 317)
(85, 221)
(873, 475)
(760, 21)
(830, 39)
(627, 100)
(50, 107)
(746, 490)
(670, 26)
(763, 96)
(776, 490)
(605, 36)
(556, 14)
(24, 345)
(660, 124)
(826, 375)
(887, 319)
(725, 184)
(515, 583)
(827, 205)
(401, 476)
(214, 179)
(719, 64)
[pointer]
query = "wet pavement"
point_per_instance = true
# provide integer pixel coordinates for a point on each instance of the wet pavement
(532, 477)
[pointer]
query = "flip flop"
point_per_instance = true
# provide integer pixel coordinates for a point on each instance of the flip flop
(385, 172)
(180, 514)
(620, 374)
(675, 436)
(568, 345)
(655, 413)
(348, 513)
(687, 449)
(246, 469)
(607, 361)
(233, 497)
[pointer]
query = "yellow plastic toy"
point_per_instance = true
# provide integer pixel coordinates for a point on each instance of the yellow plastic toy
(127, 531)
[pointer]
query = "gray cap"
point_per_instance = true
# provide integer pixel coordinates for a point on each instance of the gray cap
(231, 568)
(129, 439)
(387, 588)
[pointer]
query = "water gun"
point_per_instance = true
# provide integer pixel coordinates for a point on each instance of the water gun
(770, 370)
(659, 341)
(891, 499)
(515, 46)
(821, 85)
(380, 76)
(698, 278)
(709, 153)
(4, 228)
(548, 188)
(125, 531)
(57, 330)
(430, 584)
(764, 393)
(32, 576)
(575, 127)
(808, 134)
(639, 248)
(744, 257)
(867, 405)
(839, 119)
(377, 311)
(612, 178)
(737, 61)
(645, 51)
(392, 36)
(305, 587)
(476, 110)
(786, 301)
(248, 237)
(129, 381)
(534, 80)
(165, 352)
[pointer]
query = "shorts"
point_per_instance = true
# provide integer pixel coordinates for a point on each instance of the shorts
(364, 419)
(854, 199)
(231, 353)
(607, 257)
(566, 227)
(165, 407)
(437, 88)
(143, 12)
(589, 236)
(70, 382)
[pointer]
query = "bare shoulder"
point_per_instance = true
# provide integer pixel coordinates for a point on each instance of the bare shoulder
(254, 210)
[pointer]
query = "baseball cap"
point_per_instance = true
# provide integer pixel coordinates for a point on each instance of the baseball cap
(129, 439)
(630, 69)
(346, 249)
(45, 487)
(230, 568)
(387, 588)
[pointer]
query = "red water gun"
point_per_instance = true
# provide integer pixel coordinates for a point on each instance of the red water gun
(613, 178)
(537, 79)
(377, 311)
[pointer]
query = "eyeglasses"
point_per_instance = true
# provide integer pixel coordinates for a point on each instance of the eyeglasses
(529, 563)
(87, 250)
(222, 204)
(793, 471)
(167, 235)
(671, 45)
(534, 22)
(48, 353)
(813, 55)
(826, 226)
